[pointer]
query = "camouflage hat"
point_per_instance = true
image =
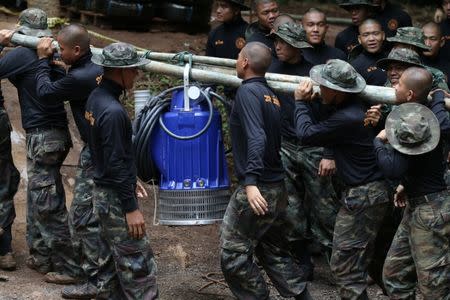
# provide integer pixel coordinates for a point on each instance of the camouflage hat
(413, 129)
(293, 34)
(346, 4)
(33, 22)
(240, 4)
(410, 36)
(338, 75)
(119, 55)
(400, 55)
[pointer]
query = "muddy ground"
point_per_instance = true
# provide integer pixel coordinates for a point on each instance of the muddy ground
(184, 254)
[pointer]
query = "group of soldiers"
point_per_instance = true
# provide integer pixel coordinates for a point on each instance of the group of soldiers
(365, 182)
(99, 248)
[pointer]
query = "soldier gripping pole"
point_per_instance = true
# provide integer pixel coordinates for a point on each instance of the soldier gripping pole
(278, 82)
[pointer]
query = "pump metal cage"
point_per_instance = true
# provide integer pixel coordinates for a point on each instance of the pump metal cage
(192, 207)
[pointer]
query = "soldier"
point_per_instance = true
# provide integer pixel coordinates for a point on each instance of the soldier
(371, 38)
(365, 199)
(48, 143)
(266, 11)
(9, 181)
(227, 39)
(253, 222)
(391, 17)
(413, 38)
(82, 77)
(130, 271)
(435, 57)
(290, 40)
(359, 10)
(419, 253)
(312, 200)
(315, 24)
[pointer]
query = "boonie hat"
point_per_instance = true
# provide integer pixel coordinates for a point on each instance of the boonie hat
(410, 36)
(119, 55)
(400, 55)
(293, 34)
(338, 75)
(413, 129)
(33, 22)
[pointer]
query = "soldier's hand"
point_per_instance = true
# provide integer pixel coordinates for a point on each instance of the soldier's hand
(400, 196)
(382, 135)
(327, 167)
(256, 200)
(304, 91)
(136, 224)
(5, 36)
(140, 190)
(45, 48)
(373, 115)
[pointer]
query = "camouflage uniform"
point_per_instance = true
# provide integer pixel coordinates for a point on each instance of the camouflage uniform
(129, 272)
(313, 204)
(9, 181)
(83, 223)
(127, 268)
(48, 235)
(357, 224)
(420, 252)
(244, 234)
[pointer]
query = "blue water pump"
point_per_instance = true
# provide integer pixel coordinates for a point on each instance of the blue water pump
(183, 149)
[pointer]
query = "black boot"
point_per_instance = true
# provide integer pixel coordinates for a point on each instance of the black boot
(305, 295)
(303, 258)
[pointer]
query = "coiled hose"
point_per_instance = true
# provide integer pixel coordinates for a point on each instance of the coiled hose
(146, 121)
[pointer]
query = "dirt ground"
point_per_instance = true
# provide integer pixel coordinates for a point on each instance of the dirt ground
(185, 255)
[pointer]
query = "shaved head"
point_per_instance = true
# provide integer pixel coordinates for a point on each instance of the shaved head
(433, 26)
(282, 19)
(370, 22)
(419, 80)
(259, 57)
(75, 35)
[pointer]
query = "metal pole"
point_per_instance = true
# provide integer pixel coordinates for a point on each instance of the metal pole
(330, 20)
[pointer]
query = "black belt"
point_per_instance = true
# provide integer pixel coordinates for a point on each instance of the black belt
(43, 128)
(416, 201)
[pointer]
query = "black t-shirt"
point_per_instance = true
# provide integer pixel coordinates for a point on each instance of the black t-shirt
(420, 174)
(365, 64)
(110, 143)
(320, 54)
(20, 66)
(393, 17)
(82, 77)
(345, 133)
(227, 39)
(255, 124)
(441, 62)
(287, 100)
(347, 39)
(258, 34)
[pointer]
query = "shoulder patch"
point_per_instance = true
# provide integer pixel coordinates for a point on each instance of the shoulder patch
(240, 43)
(89, 117)
(218, 42)
(99, 79)
(393, 24)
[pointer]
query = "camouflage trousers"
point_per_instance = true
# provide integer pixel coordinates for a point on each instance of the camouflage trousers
(244, 234)
(83, 223)
(9, 182)
(48, 235)
(357, 224)
(420, 252)
(313, 202)
(129, 271)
